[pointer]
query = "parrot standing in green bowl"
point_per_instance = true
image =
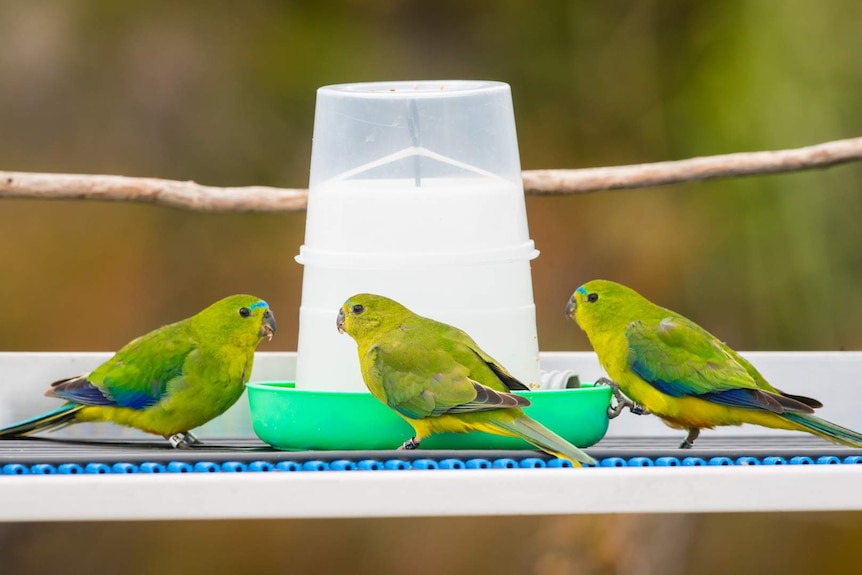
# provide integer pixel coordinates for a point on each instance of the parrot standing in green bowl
(671, 367)
(169, 381)
(438, 379)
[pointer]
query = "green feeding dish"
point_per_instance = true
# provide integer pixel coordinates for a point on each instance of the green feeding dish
(298, 419)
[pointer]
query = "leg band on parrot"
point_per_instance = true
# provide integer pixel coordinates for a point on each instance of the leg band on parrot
(639, 409)
(183, 440)
(177, 440)
(192, 439)
(688, 443)
(411, 443)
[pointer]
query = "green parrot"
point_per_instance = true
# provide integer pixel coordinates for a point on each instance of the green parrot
(169, 381)
(673, 368)
(435, 377)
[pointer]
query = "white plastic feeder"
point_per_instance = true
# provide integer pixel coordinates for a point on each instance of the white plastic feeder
(416, 194)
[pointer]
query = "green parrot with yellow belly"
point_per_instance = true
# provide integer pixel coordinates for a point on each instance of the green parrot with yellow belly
(673, 368)
(169, 381)
(438, 379)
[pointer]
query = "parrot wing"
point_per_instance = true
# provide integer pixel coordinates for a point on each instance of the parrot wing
(467, 352)
(679, 358)
(421, 383)
(765, 385)
(136, 377)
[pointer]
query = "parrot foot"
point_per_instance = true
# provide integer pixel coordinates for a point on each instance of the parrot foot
(183, 440)
(614, 410)
(410, 444)
(688, 442)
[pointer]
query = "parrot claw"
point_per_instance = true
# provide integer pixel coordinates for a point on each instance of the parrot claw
(614, 410)
(410, 444)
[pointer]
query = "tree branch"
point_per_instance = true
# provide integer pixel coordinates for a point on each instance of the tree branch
(694, 169)
(193, 196)
(186, 195)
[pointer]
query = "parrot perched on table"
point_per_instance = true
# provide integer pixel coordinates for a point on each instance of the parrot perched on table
(673, 368)
(169, 381)
(435, 377)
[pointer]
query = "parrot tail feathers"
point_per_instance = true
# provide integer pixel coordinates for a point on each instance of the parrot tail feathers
(53, 420)
(537, 434)
(809, 401)
(825, 429)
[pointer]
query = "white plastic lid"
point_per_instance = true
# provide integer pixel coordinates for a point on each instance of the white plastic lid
(418, 129)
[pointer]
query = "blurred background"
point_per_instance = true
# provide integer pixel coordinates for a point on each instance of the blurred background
(223, 93)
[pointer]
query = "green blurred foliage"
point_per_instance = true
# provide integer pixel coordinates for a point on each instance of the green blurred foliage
(223, 93)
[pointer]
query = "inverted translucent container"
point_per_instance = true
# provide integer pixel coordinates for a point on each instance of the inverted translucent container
(414, 130)
(416, 194)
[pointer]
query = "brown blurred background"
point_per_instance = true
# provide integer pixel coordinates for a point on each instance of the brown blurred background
(223, 93)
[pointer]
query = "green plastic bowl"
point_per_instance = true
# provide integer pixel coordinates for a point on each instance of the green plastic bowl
(299, 419)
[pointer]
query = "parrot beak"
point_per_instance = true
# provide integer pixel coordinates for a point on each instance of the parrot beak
(267, 328)
(571, 307)
(339, 323)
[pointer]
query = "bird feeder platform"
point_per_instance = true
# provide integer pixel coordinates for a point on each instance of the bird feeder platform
(101, 472)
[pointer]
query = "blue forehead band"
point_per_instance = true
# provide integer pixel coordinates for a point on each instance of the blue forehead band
(258, 304)
(582, 290)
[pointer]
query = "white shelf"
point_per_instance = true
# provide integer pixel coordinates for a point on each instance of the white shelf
(831, 377)
(331, 494)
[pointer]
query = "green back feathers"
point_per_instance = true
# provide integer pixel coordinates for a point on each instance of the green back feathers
(149, 363)
(437, 377)
(670, 352)
(421, 367)
(423, 342)
(172, 379)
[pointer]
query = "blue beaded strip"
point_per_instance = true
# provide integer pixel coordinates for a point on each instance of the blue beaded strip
(263, 466)
(728, 461)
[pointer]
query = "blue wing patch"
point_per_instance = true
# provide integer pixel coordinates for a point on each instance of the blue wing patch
(79, 390)
(735, 397)
(672, 388)
(134, 399)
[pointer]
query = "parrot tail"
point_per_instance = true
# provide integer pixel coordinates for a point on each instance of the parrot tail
(537, 434)
(825, 429)
(60, 417)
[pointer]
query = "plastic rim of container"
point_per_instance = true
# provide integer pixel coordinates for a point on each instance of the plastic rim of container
(291, 386)
(363, 260)
(413, 89)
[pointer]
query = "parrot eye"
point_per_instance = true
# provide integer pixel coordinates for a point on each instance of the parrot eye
(357, 309)
(592, 297)
(244, 312)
